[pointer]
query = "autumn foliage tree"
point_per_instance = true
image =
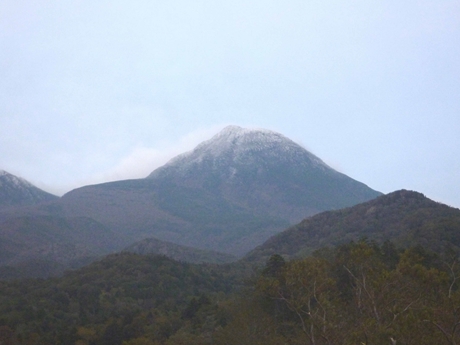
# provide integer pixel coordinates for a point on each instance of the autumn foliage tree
(361, 296)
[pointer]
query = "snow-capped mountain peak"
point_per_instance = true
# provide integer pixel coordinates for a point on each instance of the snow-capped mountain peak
(19, 182)
(15, 191)
(262, 170)
(235, 145)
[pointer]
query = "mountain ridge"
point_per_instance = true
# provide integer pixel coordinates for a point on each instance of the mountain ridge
(404, 217)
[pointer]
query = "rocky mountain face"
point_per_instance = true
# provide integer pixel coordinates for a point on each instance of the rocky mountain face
(404, 217)
(229, 194)
(15, 191)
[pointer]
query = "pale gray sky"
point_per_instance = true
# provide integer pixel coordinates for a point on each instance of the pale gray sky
(92, 91)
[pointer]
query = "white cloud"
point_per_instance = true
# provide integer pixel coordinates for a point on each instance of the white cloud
(143, 160)
(140, 162)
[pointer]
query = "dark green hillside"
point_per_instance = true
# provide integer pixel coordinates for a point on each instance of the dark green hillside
(357, 293)
(404, 217)
(120, 298)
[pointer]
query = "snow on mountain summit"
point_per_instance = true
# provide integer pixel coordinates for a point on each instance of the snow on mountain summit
(17, 191)
(6, 177)
(235, 145)
(244, 139)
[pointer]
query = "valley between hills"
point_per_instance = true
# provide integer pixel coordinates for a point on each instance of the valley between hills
(247, 239)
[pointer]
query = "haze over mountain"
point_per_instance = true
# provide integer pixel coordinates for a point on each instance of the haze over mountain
(404, 217)
(15, 191)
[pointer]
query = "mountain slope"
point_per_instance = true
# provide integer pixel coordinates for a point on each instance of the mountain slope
(139, 209)
(152, 246)
(15, 191)
(56, 243)
(404, 217)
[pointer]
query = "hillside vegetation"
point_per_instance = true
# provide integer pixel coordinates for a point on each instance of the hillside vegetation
(406, 218)
(358, 293)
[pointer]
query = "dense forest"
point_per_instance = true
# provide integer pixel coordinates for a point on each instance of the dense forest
(356, 293)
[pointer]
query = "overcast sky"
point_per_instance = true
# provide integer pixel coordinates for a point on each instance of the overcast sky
(92, 91)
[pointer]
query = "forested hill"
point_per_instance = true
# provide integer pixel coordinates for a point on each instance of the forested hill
(404, 217)
(124, 296)
(388, 296)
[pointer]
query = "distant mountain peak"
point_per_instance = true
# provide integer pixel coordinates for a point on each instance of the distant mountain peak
(15, 191)
(6, 177)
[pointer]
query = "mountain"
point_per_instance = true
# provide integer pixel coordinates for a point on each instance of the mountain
(15, 191)
(406, 218)
(152, 246)
(229, 194)
(264, 172)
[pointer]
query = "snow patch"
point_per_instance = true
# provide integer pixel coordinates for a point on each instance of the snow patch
(236, 144)
(15, 181)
